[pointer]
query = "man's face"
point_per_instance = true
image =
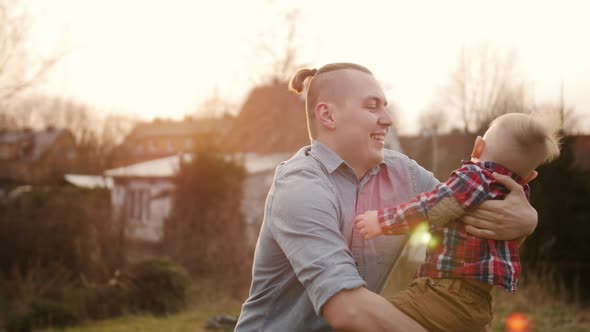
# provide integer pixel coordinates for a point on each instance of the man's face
(362, 121)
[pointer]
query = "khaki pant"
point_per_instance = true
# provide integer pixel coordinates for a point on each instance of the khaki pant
(447, 304)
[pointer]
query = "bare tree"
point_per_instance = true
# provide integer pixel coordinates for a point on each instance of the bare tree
(433, 121)
(17, 72)
(215, 106)
(561, 115)
(484, 86)
(280, 46)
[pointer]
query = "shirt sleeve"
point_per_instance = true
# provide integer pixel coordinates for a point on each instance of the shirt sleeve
(425, 180)
(466, 189)
(304, 220)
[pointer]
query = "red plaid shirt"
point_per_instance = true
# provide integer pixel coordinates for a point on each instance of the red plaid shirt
(452, 252)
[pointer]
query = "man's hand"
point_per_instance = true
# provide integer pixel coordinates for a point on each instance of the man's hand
(368, 224)
(507, 219)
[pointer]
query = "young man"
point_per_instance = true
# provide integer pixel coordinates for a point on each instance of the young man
(452, 289)
(311, 272)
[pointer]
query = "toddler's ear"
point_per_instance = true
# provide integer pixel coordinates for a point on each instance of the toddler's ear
(478, 147)
(531, 176)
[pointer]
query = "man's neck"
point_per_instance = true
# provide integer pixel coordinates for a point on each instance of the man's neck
(359, 170)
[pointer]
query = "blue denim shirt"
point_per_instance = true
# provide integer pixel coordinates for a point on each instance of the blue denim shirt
(308, 249)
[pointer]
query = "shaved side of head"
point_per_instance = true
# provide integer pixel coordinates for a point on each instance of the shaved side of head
(330, 84)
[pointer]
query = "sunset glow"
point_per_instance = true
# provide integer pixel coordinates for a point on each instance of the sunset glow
(163, 58)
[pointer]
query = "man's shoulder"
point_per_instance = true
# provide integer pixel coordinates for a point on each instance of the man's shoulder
(397, 162)
(302, 178)
(300, 163)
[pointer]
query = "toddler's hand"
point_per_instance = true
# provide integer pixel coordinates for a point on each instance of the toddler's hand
(368, 224)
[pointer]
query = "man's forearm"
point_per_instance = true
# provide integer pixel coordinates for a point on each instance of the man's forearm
(362, 310)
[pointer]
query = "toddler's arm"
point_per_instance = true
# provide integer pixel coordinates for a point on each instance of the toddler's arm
(466, 189)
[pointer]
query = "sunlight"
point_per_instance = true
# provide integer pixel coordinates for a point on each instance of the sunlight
(163, 58)
(420, 236)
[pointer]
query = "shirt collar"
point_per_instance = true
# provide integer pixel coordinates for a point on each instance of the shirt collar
(326, 156)
(332, 160)
(493, 167)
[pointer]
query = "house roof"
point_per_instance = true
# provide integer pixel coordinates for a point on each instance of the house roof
(169, 166)
(41, 139)
(168, 128)
(13, 136)
(271, 120)
(89, 181)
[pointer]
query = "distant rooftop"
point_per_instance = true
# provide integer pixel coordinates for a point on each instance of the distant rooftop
(41, 139)
(188, 127)
(169, 166)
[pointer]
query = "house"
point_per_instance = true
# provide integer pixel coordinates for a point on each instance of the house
(142, 193)
(271, 120)
(440, 154)
(163, 138)
(36, 156)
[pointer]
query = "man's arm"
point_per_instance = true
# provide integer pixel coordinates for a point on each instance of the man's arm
(362, 310)
(510, 219)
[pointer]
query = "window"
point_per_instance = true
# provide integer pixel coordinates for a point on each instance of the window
(137, 205)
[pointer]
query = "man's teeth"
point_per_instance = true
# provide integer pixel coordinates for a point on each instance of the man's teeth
(379, 137)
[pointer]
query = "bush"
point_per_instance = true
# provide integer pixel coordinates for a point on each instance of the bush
(52, 240)
(560, 195)
(92, 301)
(158, 286)
(78, 220)
(41, 313)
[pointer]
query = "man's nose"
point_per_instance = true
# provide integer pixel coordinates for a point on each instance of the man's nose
(385, 119)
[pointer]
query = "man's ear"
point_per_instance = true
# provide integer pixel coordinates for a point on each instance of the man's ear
(531, 176)
(478, 147)
(324, 115)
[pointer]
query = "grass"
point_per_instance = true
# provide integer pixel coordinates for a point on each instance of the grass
(207, 300)
(540, 299)
(193, 320)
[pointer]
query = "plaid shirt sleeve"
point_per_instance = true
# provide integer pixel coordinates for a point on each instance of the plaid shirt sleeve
(466, 189)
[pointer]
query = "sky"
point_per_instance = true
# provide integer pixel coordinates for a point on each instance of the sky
(163, 58)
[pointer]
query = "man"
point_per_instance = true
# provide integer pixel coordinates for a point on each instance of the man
(312, 271)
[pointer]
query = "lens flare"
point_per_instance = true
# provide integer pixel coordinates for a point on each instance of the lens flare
(425, 238)
(420, 235)
(517, 322)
